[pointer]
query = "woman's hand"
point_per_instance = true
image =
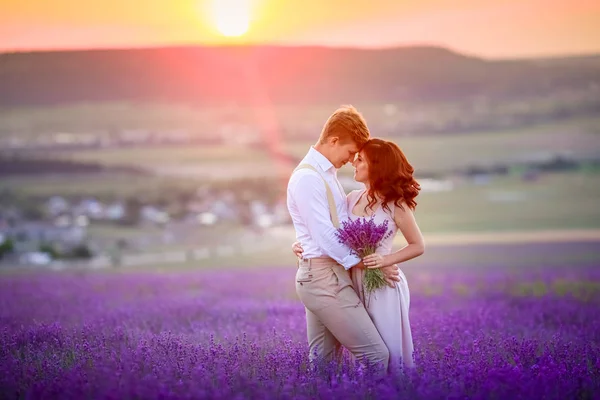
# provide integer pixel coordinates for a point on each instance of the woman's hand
(390, 272)
(373, 261)
(297, 249)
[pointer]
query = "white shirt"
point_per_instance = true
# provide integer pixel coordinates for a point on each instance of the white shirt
(308, 206)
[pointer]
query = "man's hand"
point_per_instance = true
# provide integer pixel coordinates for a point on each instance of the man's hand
(391, 274)
(297, 249)
(360, 265)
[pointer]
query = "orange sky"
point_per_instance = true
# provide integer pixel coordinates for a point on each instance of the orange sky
(489, 28)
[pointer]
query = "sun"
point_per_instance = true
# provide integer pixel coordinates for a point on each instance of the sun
(231, 17)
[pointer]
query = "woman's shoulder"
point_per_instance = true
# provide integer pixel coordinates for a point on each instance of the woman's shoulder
(399, 208)
(352, 198)
(354, 193)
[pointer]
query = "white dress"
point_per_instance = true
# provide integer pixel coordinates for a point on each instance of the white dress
(388, 307)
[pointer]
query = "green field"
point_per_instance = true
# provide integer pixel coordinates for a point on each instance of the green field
(37, 122)
(556, 201)
(450, 152)
(193, 165)
(167, 156)
(428, 154)
(102, 185)
(102, 117)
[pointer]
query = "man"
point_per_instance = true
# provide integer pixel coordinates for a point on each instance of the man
(316, 201)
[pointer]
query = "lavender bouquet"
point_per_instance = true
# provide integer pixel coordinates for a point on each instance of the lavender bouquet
(363, 236)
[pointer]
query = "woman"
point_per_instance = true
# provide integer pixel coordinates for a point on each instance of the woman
(390, 191)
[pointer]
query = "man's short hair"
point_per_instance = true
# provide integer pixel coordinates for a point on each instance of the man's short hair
(347, 124)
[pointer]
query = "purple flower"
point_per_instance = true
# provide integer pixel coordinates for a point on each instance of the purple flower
(497, 330)
(363, 236)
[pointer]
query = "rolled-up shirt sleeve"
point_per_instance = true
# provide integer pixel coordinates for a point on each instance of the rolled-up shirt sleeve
(311, 201)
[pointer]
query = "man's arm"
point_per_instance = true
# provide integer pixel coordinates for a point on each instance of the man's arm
(311, 199)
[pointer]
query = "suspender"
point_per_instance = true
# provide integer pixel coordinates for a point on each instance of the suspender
(330, 200)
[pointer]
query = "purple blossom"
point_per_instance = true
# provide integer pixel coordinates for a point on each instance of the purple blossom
(363, 236)
(506, 333)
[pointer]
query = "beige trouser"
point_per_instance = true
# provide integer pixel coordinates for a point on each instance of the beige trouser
(335, 316)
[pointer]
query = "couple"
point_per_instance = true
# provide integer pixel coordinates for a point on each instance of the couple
(329, 277)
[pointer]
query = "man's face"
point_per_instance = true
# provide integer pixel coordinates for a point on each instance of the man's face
(344, 153)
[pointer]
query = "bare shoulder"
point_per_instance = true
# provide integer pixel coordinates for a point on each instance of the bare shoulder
(353, 193)
(353, 196)
(402, 211)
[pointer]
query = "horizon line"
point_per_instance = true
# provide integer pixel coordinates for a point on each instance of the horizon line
(293, 45)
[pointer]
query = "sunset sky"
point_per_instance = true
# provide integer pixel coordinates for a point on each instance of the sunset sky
(487, 28)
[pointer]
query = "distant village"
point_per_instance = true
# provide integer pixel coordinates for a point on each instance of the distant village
(58, 227)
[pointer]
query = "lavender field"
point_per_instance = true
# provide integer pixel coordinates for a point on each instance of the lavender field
(488, 323)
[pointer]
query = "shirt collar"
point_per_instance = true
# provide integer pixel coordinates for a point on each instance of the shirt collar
(321, 160)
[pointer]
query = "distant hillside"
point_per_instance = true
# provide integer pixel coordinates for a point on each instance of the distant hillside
(282, 75)
(20, 165)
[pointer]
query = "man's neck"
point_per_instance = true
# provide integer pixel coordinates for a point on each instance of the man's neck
(323, 149)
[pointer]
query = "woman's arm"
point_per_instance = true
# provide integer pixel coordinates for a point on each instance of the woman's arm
(406, 223)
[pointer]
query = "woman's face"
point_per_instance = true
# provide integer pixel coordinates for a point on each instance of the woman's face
(361, 168)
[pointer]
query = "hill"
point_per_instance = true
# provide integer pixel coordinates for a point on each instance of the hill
(281, 75)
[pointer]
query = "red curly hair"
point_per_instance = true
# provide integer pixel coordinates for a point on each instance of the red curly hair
(390, 175)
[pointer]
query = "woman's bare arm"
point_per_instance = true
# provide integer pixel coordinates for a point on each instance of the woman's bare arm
(406, 223)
